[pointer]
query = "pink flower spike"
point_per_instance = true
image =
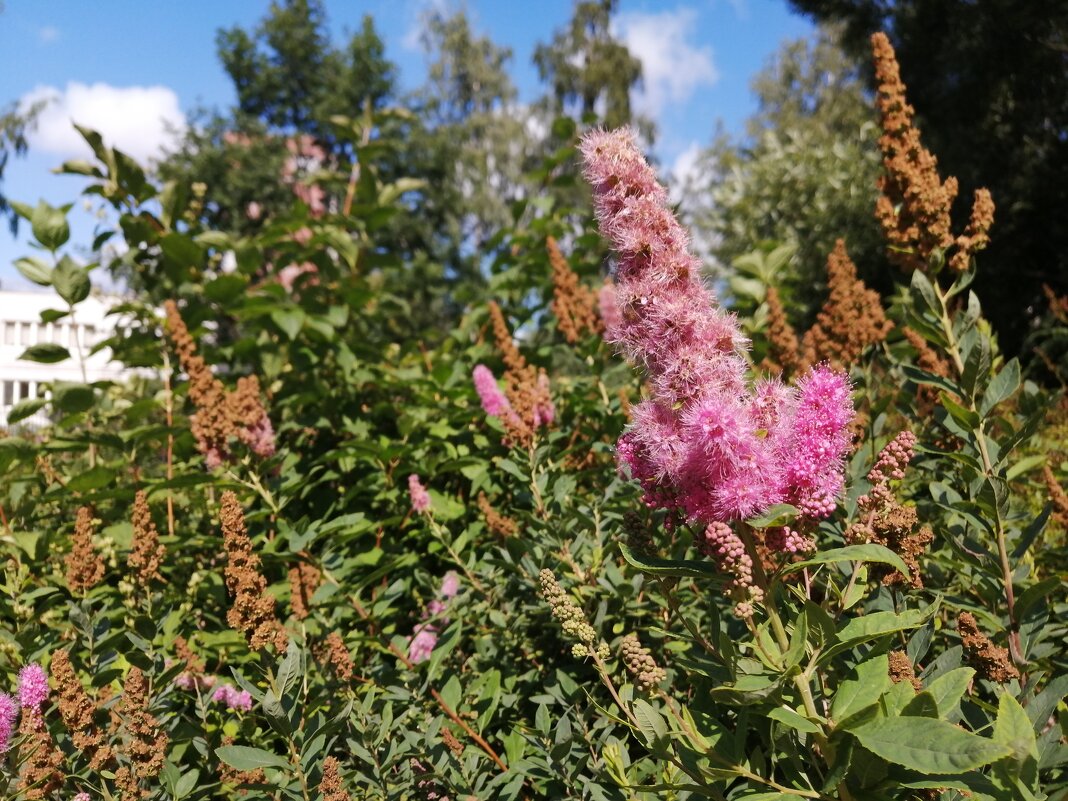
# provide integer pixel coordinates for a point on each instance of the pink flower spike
(240, 700)
(421, 643)
(81, 797)
(494, 402)
(450, 585)
(418, 494)
(33, 687)
(8, 712)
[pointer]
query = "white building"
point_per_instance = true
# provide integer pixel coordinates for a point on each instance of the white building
(21, 326)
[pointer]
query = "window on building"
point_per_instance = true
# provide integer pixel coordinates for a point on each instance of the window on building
(24, 334)
(9, 333)
(24, 390)
(72, 336)
(9, 393)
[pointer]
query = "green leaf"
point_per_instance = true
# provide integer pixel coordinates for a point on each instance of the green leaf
(928, 745)
(791, 719)
(651, 723)
(949, 688)
(1001, 387)
(35, 269)
(778, 515)
(71, 281)
(50, 226)
(91, 479)
(289, 320)
(69, 397)
(966, 417)
(685, 568)
(861, 690)
(46, 353)
(853, 553)
(1013, 728)
(242, 757)
(875, 625)
(25, 408)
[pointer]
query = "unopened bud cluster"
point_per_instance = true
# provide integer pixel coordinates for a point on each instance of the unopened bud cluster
(726, 548)
(641, 665)
(572, 619)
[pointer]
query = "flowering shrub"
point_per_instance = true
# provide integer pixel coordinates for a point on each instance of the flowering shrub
(309, 551)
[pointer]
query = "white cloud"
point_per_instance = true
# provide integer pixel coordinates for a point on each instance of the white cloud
(138, 120)
(672, 67)
(684, 170)
(48, 34)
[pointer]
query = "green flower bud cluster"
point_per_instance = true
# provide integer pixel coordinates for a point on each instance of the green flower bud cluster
(572, 619)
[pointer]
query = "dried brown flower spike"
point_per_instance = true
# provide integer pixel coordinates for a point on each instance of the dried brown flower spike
(1057, 497)
(336, 655)
(573, 303)
(914, 204)
(85, 567)
(990, 661)
(783, 348)
(496, 522)
(146, 551)
(900, 670)
(41, 762)
(526, 388)
(331, 788)
(303, 582)
(252, 610)
(851, 319)
(78, 711)
(146, 743)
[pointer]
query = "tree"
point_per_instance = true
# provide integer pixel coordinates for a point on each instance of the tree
(803, 174)
(989, 82)
(589, 71)
(15, 123)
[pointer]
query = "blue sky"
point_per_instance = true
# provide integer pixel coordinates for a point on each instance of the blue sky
(124, 65)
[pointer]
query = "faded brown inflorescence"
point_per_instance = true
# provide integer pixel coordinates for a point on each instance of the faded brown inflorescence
(495, 521)
(990, 661)
(85, 567)
(145, 745)
(900, 669)
(77, 710)
(252, 609)
(574, 304)
(783, 348)
(303, 582)
(914, 204)
(331, 788)
(41, 763)
(852, 318)
(146, 551)
(220, 414)
(526, 388)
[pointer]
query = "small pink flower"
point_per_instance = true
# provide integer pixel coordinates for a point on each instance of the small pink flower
(421, 643)
(450, 585)
(33, 687)
(8, 712)
(418, 494)
(254, 211)
(302, 236)
(494, 402)
(232, 697)
(81, 797)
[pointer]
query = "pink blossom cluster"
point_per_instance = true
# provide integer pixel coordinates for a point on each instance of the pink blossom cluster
(232, 697)
(33, 687)
(889, 466)
(418, 495)
(494, 401)
(425, 635)
(707, 440)
(83, 796)
(8, 713)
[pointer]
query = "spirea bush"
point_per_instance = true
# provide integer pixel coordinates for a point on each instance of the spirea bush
(587, 540)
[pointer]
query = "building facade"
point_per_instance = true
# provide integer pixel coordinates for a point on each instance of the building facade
(21, 326)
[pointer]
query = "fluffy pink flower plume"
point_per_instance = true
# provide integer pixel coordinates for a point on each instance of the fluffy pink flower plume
(33, 687)
(450, 585)
(81, 797)
(707, 441)
(494, 402)
(8, 712)
(232, 697)
(418, 494)
(609, 310)
(421, 643)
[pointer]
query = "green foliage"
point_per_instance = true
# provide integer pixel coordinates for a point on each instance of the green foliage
(624, 673)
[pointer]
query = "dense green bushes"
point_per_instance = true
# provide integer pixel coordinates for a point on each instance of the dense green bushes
(315, 630)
